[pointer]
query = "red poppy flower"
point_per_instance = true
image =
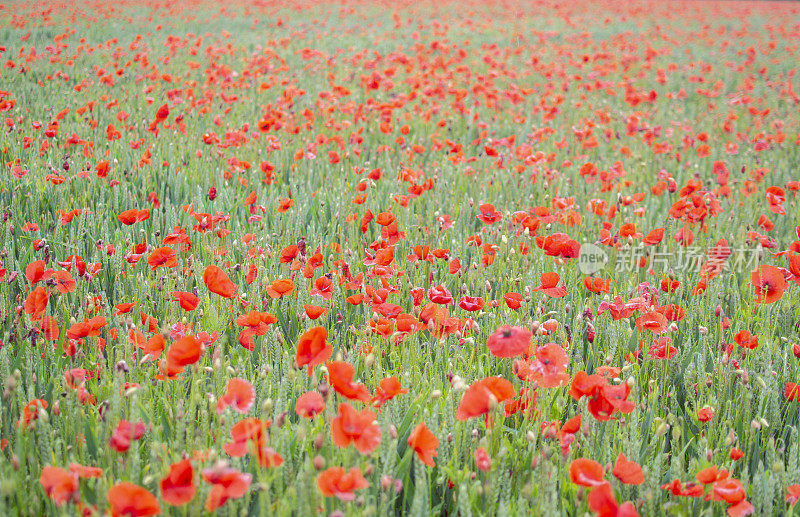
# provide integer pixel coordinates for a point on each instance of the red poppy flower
(508, 341)
(488, 214)
(548, 369)
(629, 472)
(792, 494)
(440, 295)
(162, 257)
(132, 500)
(482, 459)
(228, 483)
(187, 301)
(513, 300)
(605, 399)
(35, 303)
(746, 340)
(661, 348)
(602, 501)
(184, 351)
(387, 389)
(793, 391)
(482, 396)
(357, 428)
(60, 485)
(586, 472)
(178, 486)
(768, 284)
(314, 311)
(125, 433)
(550, 286)
(471, 303)
(279, 288)
(340, 377)
(218, 282)
(691, 489)
(309, 404)
(256, 324)
(653, 321)
(85, 472)
(239, 394)
(424, 443)
(313, 349)
(336, 482)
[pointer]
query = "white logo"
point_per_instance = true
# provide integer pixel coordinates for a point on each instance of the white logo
(592, 259)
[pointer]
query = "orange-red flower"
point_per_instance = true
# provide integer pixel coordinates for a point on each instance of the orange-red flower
(424, 443)
(313, 349)
(178, 486)
(482, 396)
(357, 428)
(768, 283)
(509, 341)
(239, 394)
(309, 404)
(228, 483)
(586, 472)
(279, 288)
(336, 482)
(629, 472)
(60, 485)
(132, 500)
(340, 377)
(218, 282)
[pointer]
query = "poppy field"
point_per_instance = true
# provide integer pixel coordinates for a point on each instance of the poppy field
(387, 258)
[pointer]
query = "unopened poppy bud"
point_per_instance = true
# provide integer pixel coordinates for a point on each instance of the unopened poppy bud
(386, 482)
(122, 366)
(266, 406)
(755, 424)
(435, 394)
(398, 486)
(319, 462)
(281, 419)
(662, 429)
(703, 330)
(392, 431)
(324, 390)
(718, 311)
(319, 441)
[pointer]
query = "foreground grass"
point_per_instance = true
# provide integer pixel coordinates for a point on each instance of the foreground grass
(275, 122)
